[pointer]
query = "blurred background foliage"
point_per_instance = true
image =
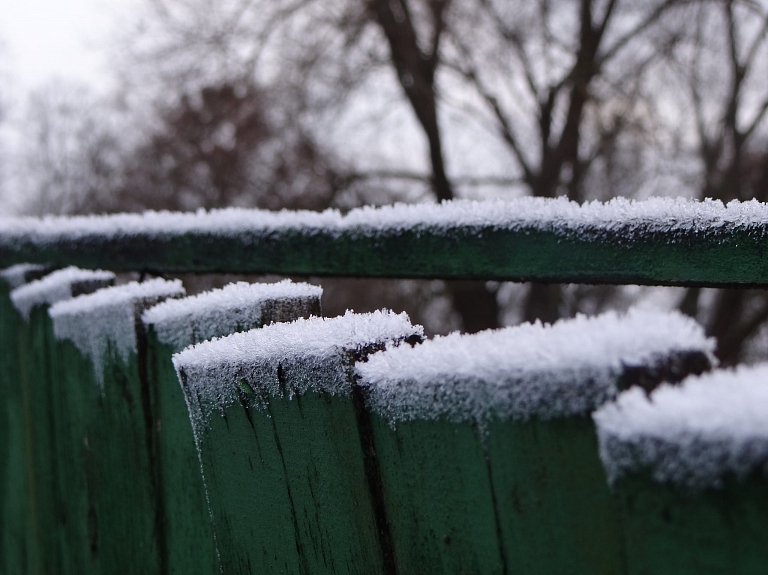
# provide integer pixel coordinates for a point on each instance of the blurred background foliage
(315, 104)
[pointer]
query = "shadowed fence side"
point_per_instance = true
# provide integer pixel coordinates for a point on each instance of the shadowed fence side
(31, 504)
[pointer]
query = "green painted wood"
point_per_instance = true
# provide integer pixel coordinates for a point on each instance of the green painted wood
(439, 500)
(511, 496)
(287, 488)
(288, 484)
(106, 475)
(183, 511)
(718, 256)
(554, 506)
(36, 379)
(74, 461)
(108, 490)
(189, 534)
(13, 481)
(667, 530)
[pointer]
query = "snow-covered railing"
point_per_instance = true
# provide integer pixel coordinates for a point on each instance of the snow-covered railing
(658, 241)
(238, 431)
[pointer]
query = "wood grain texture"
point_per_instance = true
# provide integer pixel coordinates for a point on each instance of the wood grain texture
(439, 499)
(287, 488)
(704, 257)
(287, 480)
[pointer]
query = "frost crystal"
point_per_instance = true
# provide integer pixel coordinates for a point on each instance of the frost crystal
(219, 312)
(532, 370)
(315, 353)
(108, 318)
(691, 435)
(558, 215)
(58, 286)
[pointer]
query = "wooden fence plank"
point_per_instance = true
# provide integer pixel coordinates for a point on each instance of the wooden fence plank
(283, 457)
(492, 465)
(659, 241)
(12, 469)
(172, 326)
(688, 470)
(108, 455)
(37, 381)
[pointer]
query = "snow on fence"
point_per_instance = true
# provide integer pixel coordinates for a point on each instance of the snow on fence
(142, 431)
(659, 241)
(688, 466)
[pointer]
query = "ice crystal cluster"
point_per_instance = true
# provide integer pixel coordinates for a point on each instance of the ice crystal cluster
(532, 370)
(692, 435)
(108, 318)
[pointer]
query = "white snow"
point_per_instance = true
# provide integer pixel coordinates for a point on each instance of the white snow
(557, 215)
(57, 286)
(108, 318)
(16, 276)
(532, 370)
(692, 435)
(313, 354)
(238, 306)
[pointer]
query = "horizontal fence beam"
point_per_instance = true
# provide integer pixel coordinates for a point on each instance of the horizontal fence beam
(653, 242)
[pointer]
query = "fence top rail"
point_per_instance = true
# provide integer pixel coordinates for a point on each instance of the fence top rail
(660, 241)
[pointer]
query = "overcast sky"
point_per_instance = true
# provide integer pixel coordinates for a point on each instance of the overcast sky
(43, 39)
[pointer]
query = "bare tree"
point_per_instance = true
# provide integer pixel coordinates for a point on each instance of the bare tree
(561, 84)
(220, 147)
(71, 156)
(722, 68)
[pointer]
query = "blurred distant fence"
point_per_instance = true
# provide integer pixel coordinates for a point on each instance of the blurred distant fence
(142, 431)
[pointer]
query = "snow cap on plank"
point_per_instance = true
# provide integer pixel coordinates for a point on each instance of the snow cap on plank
(237, 306)
(58, 286)
(287, 358)
(693, 435)
(108, 317)
(20, 274)
(532, 370)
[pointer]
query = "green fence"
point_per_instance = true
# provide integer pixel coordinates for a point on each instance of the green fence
(237, 431)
